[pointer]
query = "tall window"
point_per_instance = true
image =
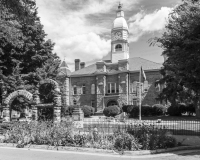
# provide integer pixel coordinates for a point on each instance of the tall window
(92, 89)
(75, 90)
(74, 102)
(134, 87)
(118, 47)
(157, 86)
(112, 88)
(83, 89)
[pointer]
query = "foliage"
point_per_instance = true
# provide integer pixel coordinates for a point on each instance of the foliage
(136, 137)
(111, 111)
(181, 109)
(125, 141)
(180, 43)
(25, 53)
(87, 110)
(151, 137)
(133, 111)
(158, 110)
(146, 110)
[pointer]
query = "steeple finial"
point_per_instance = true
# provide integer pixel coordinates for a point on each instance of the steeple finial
(120, 6)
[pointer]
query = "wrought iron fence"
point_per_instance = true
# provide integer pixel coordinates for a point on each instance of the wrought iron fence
(110, 125)
(175, 127)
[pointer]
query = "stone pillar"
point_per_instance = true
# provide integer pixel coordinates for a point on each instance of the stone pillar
(66, 92)
(34, 113)
(6, 113)
(6, 107)
(57, 108)
(36, 100)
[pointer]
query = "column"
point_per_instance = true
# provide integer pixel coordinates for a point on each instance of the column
(57, 108)
(36, 100)
(6, 113)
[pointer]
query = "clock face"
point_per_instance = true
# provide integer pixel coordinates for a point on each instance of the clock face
(118, 35)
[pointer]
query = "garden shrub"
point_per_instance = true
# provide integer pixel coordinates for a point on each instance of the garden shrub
(158, 110)
(87, 110)
(124, 108)
(111, 111)
(190, 109)
(177, 110)
(133, 111)
(146, 110)
(151, 137)
(125, 141)
(140, 136)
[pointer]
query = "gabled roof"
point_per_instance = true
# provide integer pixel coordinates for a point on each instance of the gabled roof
(136, 62)
(134, 65)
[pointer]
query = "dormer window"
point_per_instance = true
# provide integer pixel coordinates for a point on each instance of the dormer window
(118, 47)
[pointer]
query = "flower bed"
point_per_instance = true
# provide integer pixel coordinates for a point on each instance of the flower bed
(65, 134)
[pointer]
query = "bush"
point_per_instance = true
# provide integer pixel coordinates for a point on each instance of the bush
(133, 111)
(111, 111)
(151, 137)
(124, 108)
(140, 136)
(125, 141)
(87, 110)
(158, 110)
(190, 109)
(177, 110)
(146, 110)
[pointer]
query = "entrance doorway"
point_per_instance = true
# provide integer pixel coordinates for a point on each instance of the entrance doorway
(112, 103)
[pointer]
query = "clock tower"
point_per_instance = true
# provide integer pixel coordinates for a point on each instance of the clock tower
(119, 37)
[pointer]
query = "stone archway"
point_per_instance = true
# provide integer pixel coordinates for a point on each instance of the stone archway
(51, 81)
(8, 101)
(55, 106)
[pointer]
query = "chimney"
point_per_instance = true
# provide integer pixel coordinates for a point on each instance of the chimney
(82, 65)
(77, 64)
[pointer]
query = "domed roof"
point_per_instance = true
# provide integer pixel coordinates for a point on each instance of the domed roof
(120, 22)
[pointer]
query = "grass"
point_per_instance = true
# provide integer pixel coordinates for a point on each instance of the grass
(172, 118)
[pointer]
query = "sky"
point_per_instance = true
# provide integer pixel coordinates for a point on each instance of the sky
(81, 29)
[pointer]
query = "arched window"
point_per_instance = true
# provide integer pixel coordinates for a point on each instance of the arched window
(92, 89)
(118, 47)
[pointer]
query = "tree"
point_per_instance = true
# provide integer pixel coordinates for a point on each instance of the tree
(24, 52)
(180, 42)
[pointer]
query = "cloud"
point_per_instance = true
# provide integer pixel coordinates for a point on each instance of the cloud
(142, 23)
(75, 35)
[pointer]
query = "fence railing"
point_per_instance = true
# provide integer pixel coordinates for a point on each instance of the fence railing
(110, 125)
(175, 127)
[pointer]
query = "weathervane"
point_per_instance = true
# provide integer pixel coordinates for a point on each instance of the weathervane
(120, 6)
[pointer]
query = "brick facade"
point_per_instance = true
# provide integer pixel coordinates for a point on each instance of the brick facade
(124, 93)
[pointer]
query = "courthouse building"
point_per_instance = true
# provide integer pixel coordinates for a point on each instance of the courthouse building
(113, 81)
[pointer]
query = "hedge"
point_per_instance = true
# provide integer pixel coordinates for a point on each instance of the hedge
(111, 111)
(146, 110)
